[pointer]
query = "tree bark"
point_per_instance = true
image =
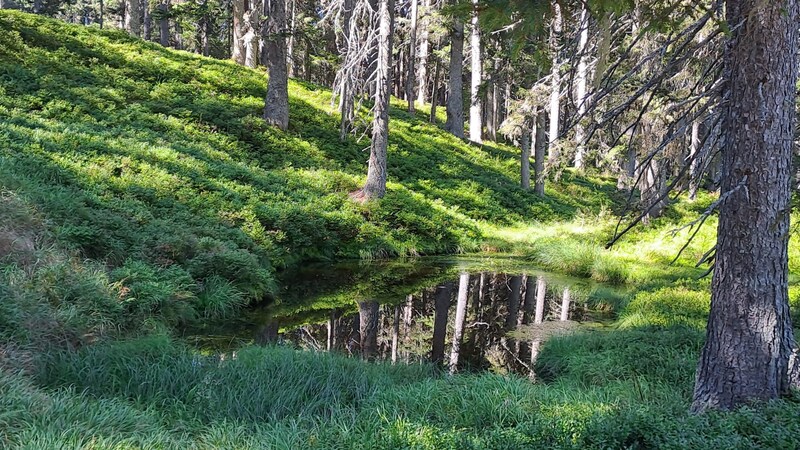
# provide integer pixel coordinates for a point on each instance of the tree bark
(565, 302)
(540, 147)
(163, 24)
(368, 313)
(411, 73)
(133, 23)
(422, 71)
(441, 309)
(238, 49)
(375, 186)
(290, 44)
(555, 84)
(749, 335)
(696, 164)
(581, 77)
(515, 293)
(395, 333)
(475, 106)
(253, 13)
(461, 314)
(276, 104)
(435, 94)
(147, 22)
(455, 94)
(525, 160)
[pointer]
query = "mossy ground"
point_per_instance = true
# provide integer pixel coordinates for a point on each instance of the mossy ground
(140, 190)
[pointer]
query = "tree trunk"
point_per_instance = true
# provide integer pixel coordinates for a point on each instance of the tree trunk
(749, 335)
(238, 49)
(555, 85)
(455, 94)
(696, 164)
(331, 343)
(276, 104)
(395, 333)
(475, 106)
(163, 24)
(346, 93)
(565, 302)
(133, 23)
(530, 300)
(515, 288)
(540, 147)
(422, 71)
(290, 45)
(368, 313)
(652, 187)
(525, 160)
(411, 73)
(581, 76)
(147, 22)
(461, 314)
(251, 41)
(375, 186)
(435, 95)
(408, 312)
(441, 307)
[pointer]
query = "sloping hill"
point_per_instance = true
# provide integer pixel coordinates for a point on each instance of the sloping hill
(156, 165)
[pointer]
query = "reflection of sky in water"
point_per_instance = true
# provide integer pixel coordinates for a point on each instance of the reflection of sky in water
(453, 313)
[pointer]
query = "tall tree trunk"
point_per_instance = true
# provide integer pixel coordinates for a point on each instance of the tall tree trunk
(251, 41)
(411, 73)
(437, 65)
(749, 335)
(555, 84)
(163, 24)
(375, 186)
(395, 333)
(530, 299)
(368, 314)
(525, 160)
(346, 93)
(696, 164)
(441, 309)
(475, 106)
(238, 49)
(515, 288)
(580, 94)
(461, 314)
(133, 23)
(652, 188)
(422, 71)
(540, 146)
(290, 45)
(408, 312)
(147, 22)
(332, 320)
(276, 104)
(565, 302)
(455, 94)
(536, 343)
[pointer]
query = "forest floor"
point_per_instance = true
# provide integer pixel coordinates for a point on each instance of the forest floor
(140, 190)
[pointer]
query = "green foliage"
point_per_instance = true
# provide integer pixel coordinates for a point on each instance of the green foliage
(156, 164)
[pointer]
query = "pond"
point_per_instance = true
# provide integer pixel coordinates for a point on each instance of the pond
(464, 314)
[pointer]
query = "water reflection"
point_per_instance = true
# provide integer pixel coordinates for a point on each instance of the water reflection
(479, 321)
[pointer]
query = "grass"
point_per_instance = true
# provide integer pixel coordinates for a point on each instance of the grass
(141, 190)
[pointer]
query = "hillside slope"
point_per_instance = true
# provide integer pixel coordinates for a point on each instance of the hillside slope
(156, 164)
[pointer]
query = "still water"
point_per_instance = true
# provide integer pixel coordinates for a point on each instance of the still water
(464, 314)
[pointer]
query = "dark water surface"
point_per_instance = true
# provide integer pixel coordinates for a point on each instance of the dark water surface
(466, 314)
